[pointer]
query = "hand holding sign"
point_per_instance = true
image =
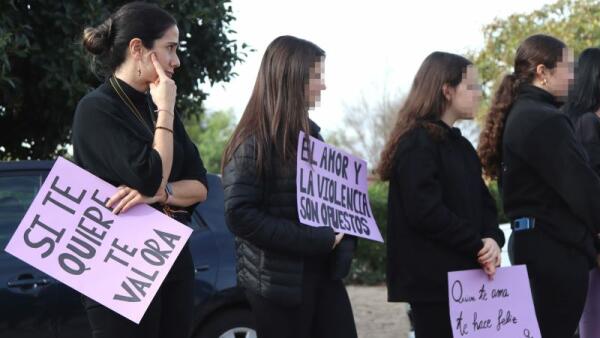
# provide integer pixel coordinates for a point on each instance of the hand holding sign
(332, 190)
(126, 198)
(119, 261)
(492, 309)
(338, 239)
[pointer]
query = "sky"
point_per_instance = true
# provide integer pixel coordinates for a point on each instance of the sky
(372, 47)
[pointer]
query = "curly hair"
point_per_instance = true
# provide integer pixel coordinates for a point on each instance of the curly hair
(536, 50)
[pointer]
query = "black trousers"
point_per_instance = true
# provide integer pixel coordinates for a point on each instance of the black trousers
(558, 276)
(325, 312)
(431, 320)
(168, 316)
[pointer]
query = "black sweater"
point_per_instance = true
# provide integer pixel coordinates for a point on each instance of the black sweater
(111, 143)
(439, 209)
(545, 173)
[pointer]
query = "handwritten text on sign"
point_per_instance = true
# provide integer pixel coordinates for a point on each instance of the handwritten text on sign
(119, 261)
(485, 308)
(332, 190)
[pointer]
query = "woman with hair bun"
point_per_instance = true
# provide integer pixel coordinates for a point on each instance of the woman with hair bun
(128, 133)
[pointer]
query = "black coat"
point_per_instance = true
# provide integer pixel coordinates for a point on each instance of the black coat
(545, 172)
(274, 249)
(439, 209)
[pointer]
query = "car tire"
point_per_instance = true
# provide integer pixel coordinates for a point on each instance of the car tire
(229, 323)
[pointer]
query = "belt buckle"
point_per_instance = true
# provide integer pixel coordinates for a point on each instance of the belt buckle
(523, 223)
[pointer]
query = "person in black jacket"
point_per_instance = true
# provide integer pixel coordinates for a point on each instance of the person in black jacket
(549, 191)
(441, 216)
(291, 272)
(127, 132)
(583, 105)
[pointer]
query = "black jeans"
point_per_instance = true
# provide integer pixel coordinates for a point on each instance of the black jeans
(168, 316)
(325, 312)
(558, 275)
(431, 320)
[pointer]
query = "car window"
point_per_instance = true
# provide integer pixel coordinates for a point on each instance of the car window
(16, 194)
(211, 211)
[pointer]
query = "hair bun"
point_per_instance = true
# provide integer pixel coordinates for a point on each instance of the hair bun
(97, 39)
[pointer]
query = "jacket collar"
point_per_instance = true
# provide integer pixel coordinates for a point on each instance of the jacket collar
(451, 131)
(538, 94)
(313, 128)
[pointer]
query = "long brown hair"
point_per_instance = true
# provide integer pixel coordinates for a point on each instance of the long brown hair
(278, 107)
(536, 50)
(425, 102)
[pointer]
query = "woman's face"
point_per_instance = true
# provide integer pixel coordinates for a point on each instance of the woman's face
(165, 49)
(561, 77)
(467, 95)
(316, 83)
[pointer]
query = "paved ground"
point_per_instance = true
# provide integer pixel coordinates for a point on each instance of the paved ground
(374, 316)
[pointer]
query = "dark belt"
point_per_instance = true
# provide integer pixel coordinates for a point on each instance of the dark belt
(523, 223)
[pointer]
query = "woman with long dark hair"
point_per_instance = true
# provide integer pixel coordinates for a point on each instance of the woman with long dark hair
(291, 272)
(583, 105)
(128, 133)
(441, 216)
(550, 192)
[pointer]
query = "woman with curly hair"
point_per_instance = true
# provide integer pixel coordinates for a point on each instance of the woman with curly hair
(550, 192)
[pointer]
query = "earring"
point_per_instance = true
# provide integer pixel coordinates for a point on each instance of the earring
(139, 72)
(544, 82)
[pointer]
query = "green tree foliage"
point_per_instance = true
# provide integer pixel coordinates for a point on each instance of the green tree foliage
(44, 70)
(210, 134)
(576, 22)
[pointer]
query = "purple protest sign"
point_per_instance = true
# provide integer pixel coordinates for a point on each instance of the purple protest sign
(332, 190)
(485, 308)
(589, 326)
(118, 260)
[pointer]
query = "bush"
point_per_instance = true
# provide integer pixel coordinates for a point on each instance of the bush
(369, 262)
(493, 186)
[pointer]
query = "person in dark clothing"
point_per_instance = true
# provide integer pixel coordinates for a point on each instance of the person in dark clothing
(548, 188)
(583, 105)
(292, 272)
(441, 216)
(127, 132)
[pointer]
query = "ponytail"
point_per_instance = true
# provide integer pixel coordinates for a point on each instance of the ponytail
(490, 142)
(536, 50)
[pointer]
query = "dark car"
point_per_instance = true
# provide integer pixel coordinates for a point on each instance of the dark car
(33, 304)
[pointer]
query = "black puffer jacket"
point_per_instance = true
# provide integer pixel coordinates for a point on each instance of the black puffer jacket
(272, 245)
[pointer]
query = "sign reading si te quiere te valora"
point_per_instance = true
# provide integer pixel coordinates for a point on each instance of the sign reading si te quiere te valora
(499, 308)
(332, 189)
(118, 260)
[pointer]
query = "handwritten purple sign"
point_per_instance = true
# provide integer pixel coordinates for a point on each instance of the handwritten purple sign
(485, 308)
(589, 326)
(119, 261)
(332, 190)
